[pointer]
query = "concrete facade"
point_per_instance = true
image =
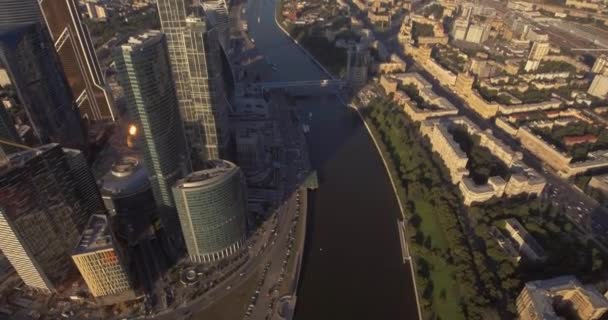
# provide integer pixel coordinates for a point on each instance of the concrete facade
(523, 180)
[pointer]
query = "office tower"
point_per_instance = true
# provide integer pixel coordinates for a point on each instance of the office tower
(86, 185)
(196, 62)
(128, 197)
(27, 53)
(250, 149)
(42, 214)
(211, 205)
(19, 11)
(599, 86)
(100, 260)
(77, 55)
(145, 74)
(7, 133)
(539, 50)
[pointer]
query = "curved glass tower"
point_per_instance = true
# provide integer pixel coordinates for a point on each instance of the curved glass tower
(211, 204)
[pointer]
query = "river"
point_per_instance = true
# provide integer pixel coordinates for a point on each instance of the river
(352, 263)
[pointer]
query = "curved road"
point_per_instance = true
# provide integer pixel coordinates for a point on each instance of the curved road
(352, 263)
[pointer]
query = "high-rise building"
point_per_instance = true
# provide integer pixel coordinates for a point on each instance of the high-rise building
(19, 11)
(212, 207)
(101, 261)
(77, 55)
(539, 50)
(27, 54)
(128, 197)
(196, 60)
(7, 133)
(42, 214)
(599, 86)
(145, 74)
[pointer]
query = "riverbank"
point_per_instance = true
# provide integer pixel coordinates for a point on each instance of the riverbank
(399, 194)
(295, 41)
(433, 278)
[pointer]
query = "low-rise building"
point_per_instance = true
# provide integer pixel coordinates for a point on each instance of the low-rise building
(600, 64)
(526, 181)
(599, 86)
(559, 297)
(524, 241)
(600, 182)
(573, 140)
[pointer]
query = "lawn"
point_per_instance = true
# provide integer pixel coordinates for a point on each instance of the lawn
(429, 225)
(445, 290)
(445, 295)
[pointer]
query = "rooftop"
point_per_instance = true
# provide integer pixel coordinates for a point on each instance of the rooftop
(215, 171)
(127, 176)
(96, 236)
(19, 159)
(142, 39)
(543, 291)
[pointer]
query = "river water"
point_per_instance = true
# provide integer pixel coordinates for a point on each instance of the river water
(352, 263)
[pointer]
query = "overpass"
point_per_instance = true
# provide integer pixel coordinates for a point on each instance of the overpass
(307, 87)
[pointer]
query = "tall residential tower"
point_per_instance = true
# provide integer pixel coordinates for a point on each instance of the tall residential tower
(196, 60)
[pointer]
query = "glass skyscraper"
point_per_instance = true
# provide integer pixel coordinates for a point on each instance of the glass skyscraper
(45, 203)
(61, 18)
(195, 52)
(28, 55)
(145, 74)
(78, 58)
(212, 209)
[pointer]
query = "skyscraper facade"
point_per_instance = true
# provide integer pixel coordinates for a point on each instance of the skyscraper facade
(211, 205)
(78, 58)
(194, 49)
(42, 214)
(19, 11)
(145, 74)
(101, 261)
(27, 54)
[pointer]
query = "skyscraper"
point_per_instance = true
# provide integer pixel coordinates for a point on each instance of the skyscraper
(74, 48)
(195, 52)
(19, 11)
(145, 74)
(27, 54)
(101, 261)
(42, 214)
(212, 208)
(77, 55)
